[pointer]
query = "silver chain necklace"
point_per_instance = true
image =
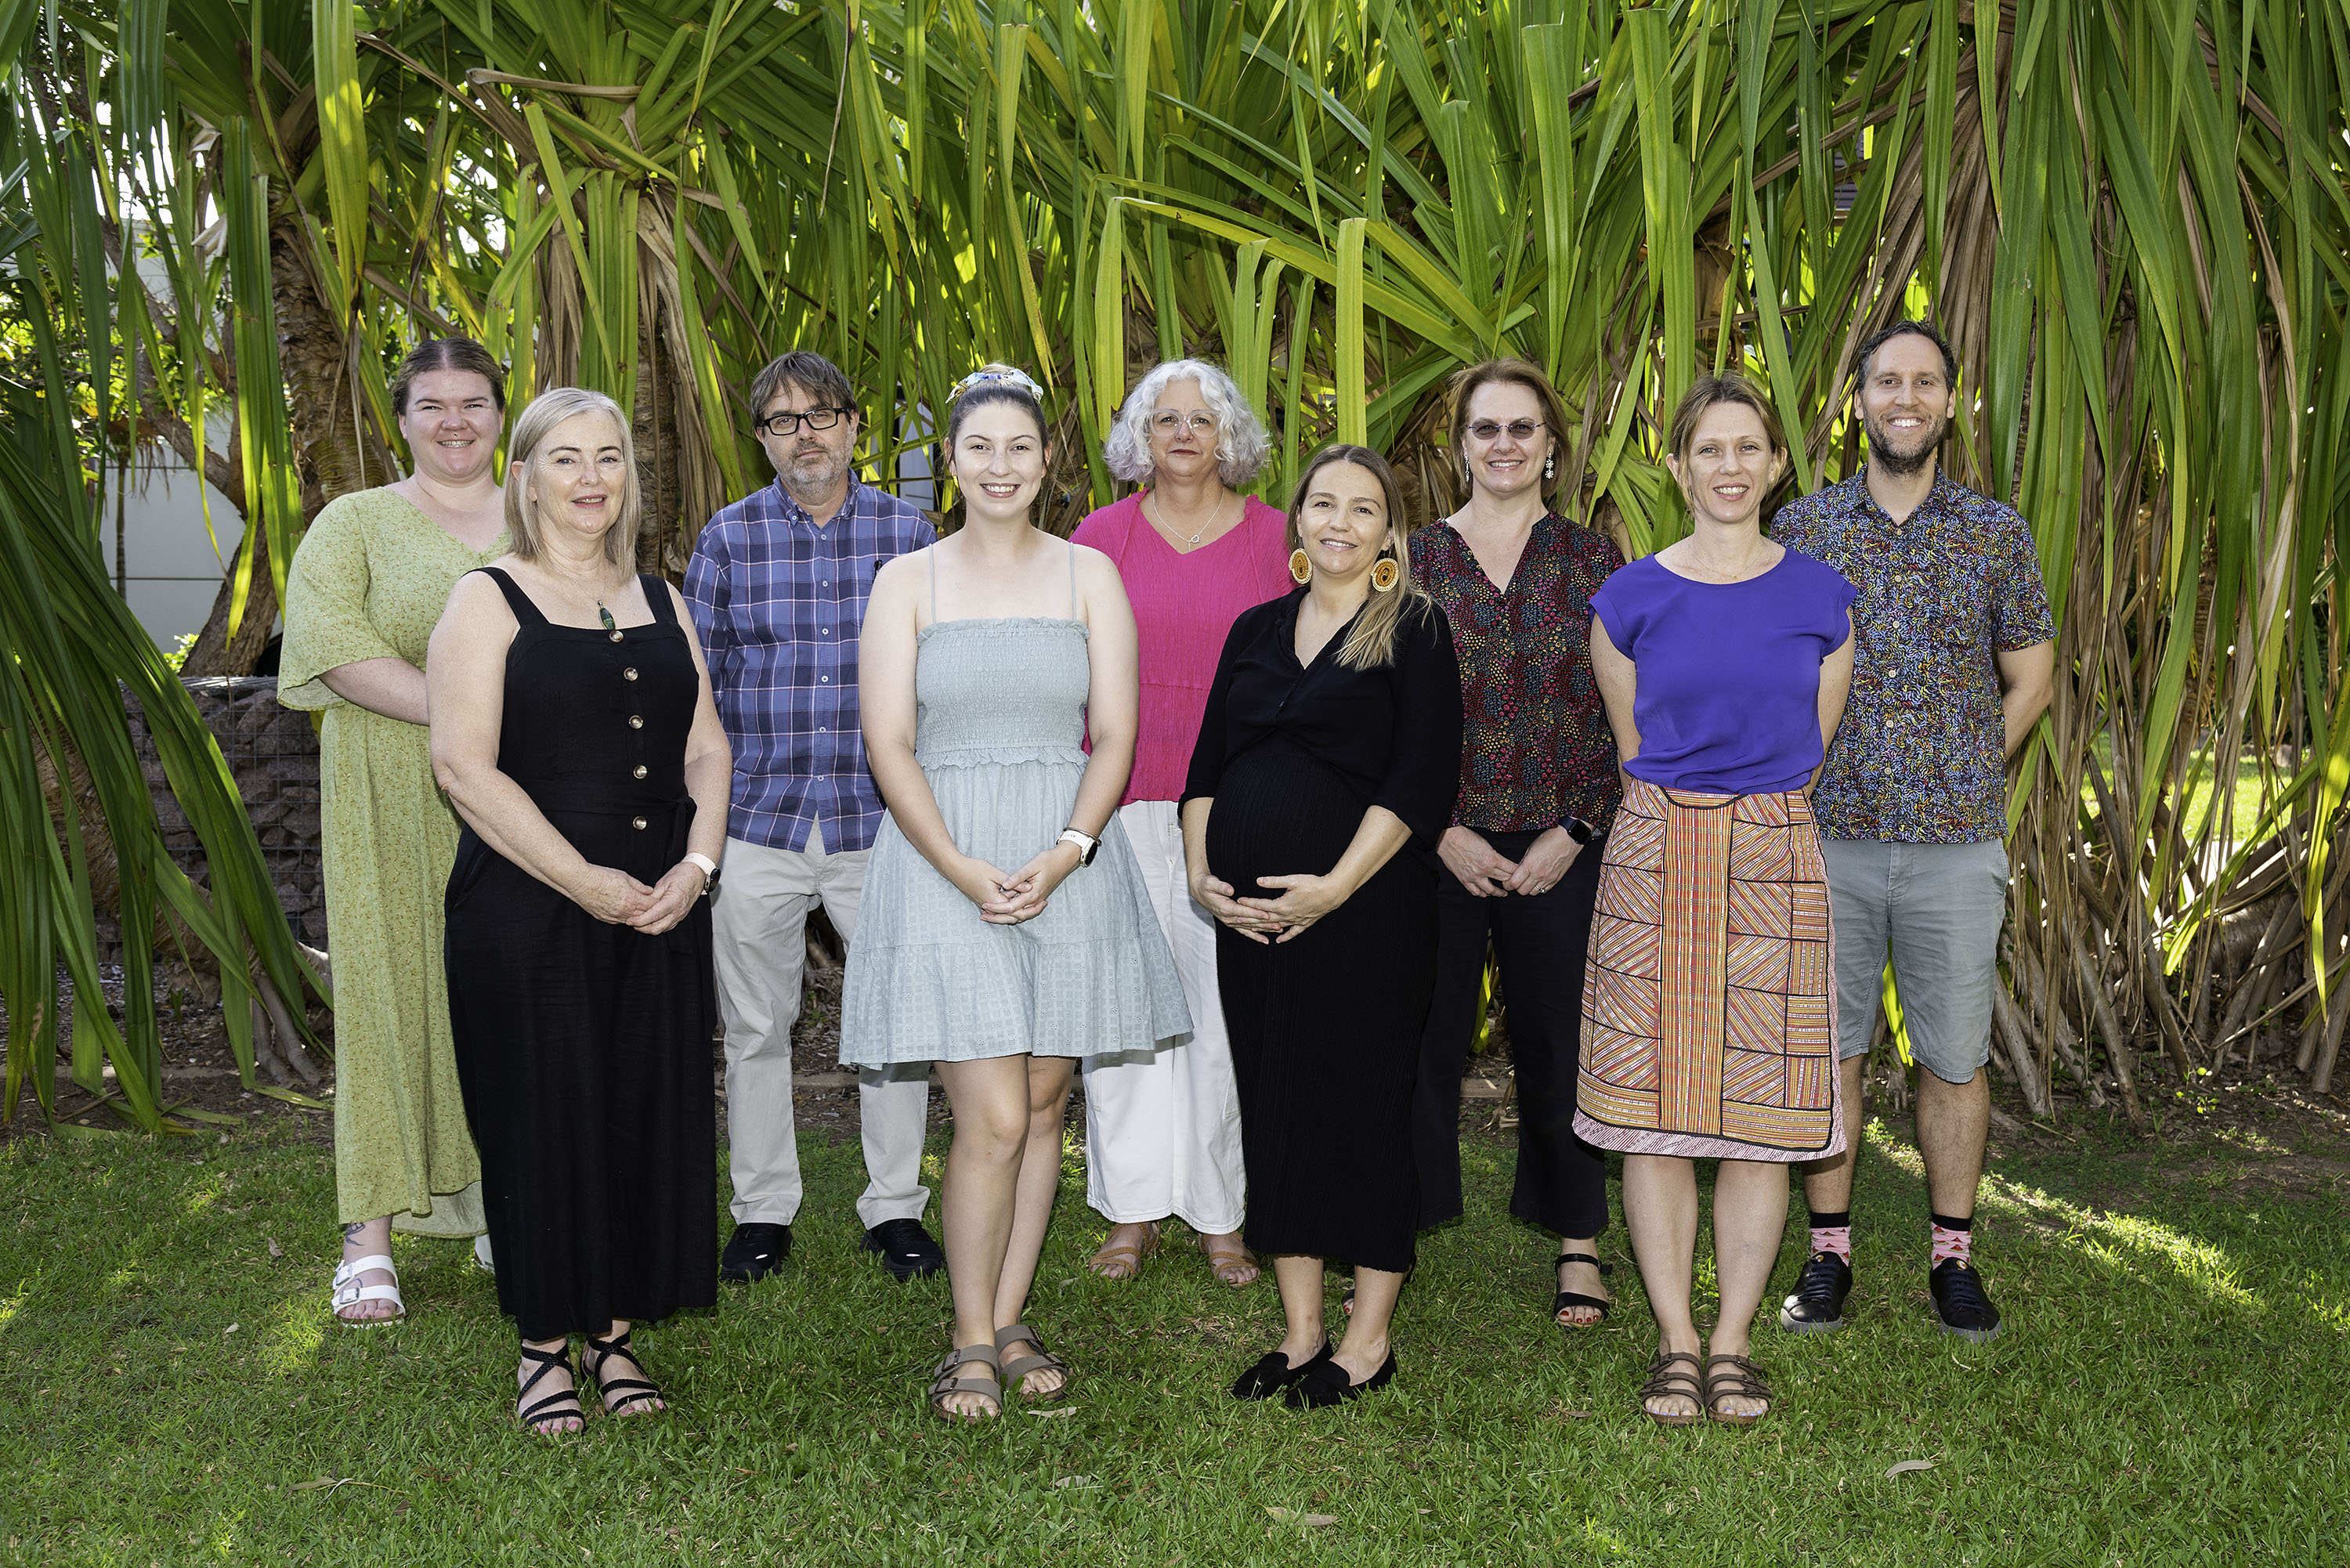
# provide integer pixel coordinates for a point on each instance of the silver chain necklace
(1192, 541)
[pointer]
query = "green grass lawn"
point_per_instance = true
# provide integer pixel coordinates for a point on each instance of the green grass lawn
(2170, 1389)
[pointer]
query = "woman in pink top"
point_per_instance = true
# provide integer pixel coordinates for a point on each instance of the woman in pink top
(1162, 1128)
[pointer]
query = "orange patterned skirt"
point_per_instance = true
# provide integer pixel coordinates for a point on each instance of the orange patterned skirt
(1709, 1020)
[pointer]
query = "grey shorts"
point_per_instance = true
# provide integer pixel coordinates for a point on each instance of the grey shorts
(1935, 909)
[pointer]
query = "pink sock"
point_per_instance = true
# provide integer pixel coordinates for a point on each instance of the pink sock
(1833, 1233)
(1952, 1239)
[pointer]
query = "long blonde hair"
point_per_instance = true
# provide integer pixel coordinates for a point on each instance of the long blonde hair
(534, 424)
(1371, 643)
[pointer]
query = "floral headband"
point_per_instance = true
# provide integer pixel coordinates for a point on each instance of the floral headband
(1018, 378)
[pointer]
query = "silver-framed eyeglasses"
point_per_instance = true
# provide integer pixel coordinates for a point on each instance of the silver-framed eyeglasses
(1199, 422)
(786, 423)
(1520, 429)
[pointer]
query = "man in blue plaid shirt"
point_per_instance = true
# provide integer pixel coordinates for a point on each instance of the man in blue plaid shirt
(777, 589)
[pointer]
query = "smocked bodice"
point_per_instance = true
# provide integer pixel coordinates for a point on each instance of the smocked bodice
(1001, 690)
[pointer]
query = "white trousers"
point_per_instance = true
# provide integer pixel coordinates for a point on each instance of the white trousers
(1163, 1127)
(759, 920)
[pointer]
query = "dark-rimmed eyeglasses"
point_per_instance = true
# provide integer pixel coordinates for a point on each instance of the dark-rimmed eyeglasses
(1520, 429)
(784, 423)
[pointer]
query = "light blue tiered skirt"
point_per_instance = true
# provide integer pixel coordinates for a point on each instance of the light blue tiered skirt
(1002, 714)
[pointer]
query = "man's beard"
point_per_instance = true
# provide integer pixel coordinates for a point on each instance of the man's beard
(808, 483)
(1881, 452)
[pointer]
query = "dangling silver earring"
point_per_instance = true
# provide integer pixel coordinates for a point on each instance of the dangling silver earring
(1467, 482)
(1550, 465)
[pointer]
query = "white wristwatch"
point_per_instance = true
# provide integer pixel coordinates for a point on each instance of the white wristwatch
(709, 871)
(1087, 845)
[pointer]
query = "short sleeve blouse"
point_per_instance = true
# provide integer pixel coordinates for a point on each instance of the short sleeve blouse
(1184, 606)
(1727, 700)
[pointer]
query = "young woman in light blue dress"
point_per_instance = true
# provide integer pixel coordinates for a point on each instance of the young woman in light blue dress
(1005, 931)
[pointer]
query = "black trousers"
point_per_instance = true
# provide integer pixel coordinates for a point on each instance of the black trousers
(1540, 941)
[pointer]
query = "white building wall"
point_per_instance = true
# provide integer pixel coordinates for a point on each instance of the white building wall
(174, 566)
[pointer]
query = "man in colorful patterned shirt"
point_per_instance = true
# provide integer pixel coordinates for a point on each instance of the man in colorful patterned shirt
(777, 589)
(1956, 660)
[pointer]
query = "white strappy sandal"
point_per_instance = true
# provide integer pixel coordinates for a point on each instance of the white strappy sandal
(349, 1292)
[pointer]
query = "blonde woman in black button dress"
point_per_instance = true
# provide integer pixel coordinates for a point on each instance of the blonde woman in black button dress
(573, 728)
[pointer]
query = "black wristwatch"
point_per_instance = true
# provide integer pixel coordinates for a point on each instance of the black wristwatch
(1582, 832)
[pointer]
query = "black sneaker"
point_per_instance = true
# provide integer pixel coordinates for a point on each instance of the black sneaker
(1816, 1305)
(1961, 1305)
(905, 1249)
(755, 1251)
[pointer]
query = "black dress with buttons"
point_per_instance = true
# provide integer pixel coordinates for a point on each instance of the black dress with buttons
(584, 1048)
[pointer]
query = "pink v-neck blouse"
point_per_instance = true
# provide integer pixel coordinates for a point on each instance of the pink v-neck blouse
(1184, 605)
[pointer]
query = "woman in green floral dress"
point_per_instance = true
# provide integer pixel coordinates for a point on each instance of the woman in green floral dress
(364, 592)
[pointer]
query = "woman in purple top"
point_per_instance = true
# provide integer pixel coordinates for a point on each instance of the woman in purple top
(1709, 1025)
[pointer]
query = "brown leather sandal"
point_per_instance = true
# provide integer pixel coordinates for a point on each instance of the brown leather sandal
(1225, 1262)
(944, 1383)
(1666, 1380)
(1123, 1261)
(1019, 1367)
(1743, 1381)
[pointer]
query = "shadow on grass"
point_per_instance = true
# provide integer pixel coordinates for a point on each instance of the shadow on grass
(171, 1390)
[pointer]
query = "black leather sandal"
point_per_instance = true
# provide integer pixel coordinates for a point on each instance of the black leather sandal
(562, 1405)
(1666, 1380)
(635, 1395)
(1743, 1381)
(1567, 1298)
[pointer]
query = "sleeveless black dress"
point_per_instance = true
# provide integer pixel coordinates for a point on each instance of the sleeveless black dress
(584, 1048)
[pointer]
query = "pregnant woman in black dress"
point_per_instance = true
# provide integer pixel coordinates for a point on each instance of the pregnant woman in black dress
(1326, 768)
(573, 728)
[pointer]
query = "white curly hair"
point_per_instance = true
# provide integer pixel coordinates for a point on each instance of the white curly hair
(1242, 444)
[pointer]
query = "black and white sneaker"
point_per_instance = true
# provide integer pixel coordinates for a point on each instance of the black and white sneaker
(905, 1249)
(1816, 1304)
(1961, 1305)
(755, 1251)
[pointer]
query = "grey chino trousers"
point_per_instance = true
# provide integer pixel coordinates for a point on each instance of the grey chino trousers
(759, 921)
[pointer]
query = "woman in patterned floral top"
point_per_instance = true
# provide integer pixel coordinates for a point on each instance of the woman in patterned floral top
(1538, 787)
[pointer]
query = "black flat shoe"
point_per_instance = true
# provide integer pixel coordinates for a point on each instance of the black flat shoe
(1567, 1298)
(1961, 1305)
(1319, 1388)
(1272, 1375)
(905, 1249)
(754, 1251)
(1816, 1303)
